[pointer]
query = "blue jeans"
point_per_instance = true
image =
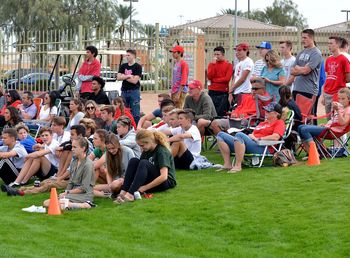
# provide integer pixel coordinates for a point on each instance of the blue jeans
(132, 101)
(308, 132)
(250, 145)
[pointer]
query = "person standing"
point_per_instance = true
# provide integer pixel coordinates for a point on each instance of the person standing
(130, 73)
(288, 59)
(91, 67)
(264, 47)
(219, 73)
(242, 74)
(306, 70)
(179, 86)
(337, 68)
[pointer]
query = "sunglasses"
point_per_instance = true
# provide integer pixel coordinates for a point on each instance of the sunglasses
(256, 88)
(90, 108)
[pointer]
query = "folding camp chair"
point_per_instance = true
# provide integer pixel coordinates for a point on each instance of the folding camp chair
(257, 160)
(337, 145)
(38, 102)
(305, 105)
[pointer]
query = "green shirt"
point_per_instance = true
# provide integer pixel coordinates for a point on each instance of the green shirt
(98, 153)
(161, 157)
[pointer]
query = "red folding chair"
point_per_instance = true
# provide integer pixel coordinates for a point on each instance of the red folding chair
(305, 105)
(337, 145)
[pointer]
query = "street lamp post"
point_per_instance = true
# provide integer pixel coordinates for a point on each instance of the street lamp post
(130, 18)
(347, 14)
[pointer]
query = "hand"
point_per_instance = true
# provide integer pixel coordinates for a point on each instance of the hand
(251, 136)
(335, 106)
(214, 60)
(37, 147)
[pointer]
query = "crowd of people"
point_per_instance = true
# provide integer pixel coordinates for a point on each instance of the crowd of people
(105, 148)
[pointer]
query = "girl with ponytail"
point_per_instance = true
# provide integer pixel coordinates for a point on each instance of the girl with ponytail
(153, 172)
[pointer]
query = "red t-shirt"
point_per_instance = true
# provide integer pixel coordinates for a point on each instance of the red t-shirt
(336, 69)
(94, 69)
(220, 74)
(265, 128)
(127, 113)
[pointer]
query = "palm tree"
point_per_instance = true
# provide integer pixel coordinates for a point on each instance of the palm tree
(232, 11)
(123, 14)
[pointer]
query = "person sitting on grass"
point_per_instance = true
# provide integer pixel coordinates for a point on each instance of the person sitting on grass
(146, 120)
(163, 124)
(340, 119)
(64, 151)
(76, 113)
(121, 110)
(11, 117)
(127, 135)
(107, 115)
(25, 138)
(153, 172)
(90, 126)
(12, 155)
(117, 158)
(43, 162)
(271, 129)
(97, 156)
(92, 111)
(79, 191)
(57, 126)
(185, 141)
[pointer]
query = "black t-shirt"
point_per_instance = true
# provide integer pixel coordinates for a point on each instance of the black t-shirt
(135, 69)
(100, 98)
(161, 157)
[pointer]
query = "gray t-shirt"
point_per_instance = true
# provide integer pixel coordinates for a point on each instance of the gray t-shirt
(308, 83)
(18, 160)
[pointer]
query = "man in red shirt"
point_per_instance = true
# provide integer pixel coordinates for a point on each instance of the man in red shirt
(337, 68)
(219, 73)
(90, 68)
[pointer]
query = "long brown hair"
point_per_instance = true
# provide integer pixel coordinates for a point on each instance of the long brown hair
(79, 104)
(114, 162)
(147, 136)
(120, 101)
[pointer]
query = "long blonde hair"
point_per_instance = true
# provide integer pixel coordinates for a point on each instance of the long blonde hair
(274, 59)
(147, 136)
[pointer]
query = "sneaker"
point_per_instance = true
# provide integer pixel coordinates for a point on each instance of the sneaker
(36, 209)
(3, 188)
(13, 191)
(14, 184)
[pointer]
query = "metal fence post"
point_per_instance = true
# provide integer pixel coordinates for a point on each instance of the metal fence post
(156, 60)
(230, 38)
(80, 37)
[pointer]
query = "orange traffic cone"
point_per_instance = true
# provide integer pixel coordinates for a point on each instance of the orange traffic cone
(54, 207)
(314, 158)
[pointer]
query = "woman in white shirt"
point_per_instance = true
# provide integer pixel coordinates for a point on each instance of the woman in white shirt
(49, 110)
(76, 114)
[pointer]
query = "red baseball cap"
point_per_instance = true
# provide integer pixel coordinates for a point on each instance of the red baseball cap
(242, 46)
(177, 48)
(195, 84)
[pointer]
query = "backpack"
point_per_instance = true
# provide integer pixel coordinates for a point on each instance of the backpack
(284, 158)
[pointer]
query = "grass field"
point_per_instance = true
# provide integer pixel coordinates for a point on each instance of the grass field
(269, 212)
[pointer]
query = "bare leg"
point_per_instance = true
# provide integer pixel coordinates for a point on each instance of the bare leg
(65, 160)
(225, 151)
(24, 170)
(42, 163)
(146, 124)
(116, 185)
(202, 124)
(178, 148)
(240, 151)
(215, 127)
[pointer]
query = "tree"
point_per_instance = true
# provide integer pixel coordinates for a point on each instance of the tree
(285, 13)
(282, 13)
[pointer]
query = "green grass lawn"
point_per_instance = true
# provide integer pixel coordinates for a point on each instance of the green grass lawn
(298, 211)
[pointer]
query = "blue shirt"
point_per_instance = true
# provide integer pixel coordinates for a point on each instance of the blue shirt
(273, 75)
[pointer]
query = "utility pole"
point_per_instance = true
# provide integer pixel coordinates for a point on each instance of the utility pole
(130, 18)
(347, 14)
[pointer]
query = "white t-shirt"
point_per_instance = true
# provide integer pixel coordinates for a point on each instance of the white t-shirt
(287, 65)
(18, 160)
(44, 114)
(52, 155)
(194, 144)
(258, 66)
(62, 138)
(245, 65)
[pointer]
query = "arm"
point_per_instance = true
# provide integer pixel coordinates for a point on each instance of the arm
(272, 137)
(133, 79)
(122, 77)
(227, 77)
(6, 155)
(347, 77)
(290, 80)
(98, 163)
(299, 70)
(148, 117)
(157, 181)
(179, 137)
(278, 83)
(206, 110)
(211, 72)
(38, 154)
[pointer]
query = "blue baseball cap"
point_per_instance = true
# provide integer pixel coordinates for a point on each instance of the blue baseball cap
(265, 44)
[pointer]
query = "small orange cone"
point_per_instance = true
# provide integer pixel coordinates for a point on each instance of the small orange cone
(314, 158)
(54, 207)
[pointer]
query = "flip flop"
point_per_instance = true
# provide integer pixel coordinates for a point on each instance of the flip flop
(234, 170)
(223, 169)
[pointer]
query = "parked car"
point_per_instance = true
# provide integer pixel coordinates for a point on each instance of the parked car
(15, 74)
(29, 81)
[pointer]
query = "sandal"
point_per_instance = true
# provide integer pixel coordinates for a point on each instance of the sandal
(234, 170)
(223, 169)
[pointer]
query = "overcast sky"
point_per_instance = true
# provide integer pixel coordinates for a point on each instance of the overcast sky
(318, 12)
